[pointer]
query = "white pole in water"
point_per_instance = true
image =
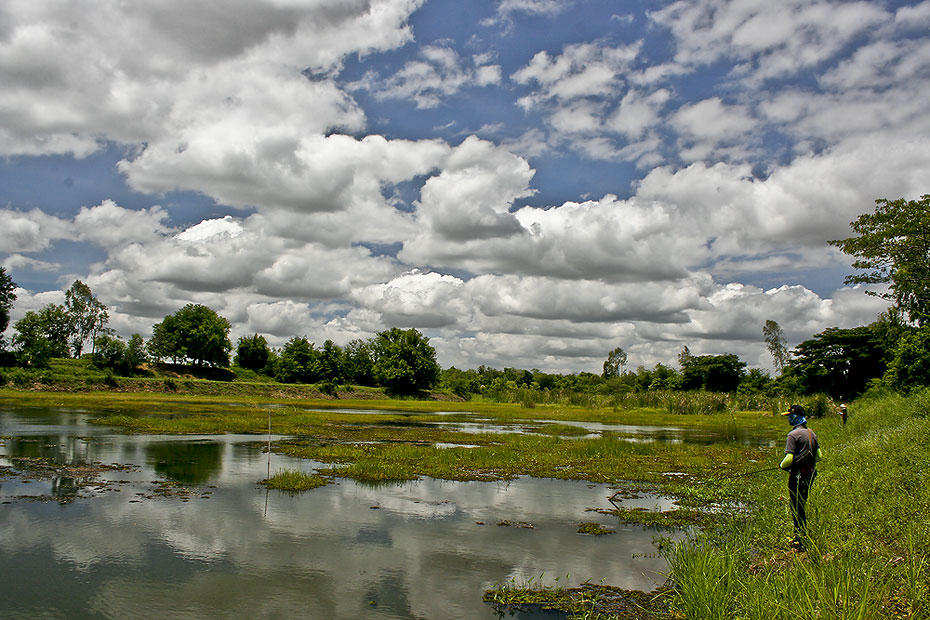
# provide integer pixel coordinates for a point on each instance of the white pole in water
(269, 461)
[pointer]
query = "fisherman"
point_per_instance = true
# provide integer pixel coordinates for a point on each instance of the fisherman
(802, 451)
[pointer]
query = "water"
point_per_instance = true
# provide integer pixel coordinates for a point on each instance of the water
(181, 529)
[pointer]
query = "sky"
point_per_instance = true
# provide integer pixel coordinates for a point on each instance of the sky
(529, 183)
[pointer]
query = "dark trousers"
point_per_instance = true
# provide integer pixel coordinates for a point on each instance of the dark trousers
(799, 485)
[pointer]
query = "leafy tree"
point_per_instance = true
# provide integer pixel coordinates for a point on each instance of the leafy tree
(111, 352)
(462, 383)
(358, 362)
(893, 245)
(775, 341)
(685, 357)
(298, 362)
(404, 361)
(7, 297)
(616, 360)
(252, 352)
(87, 315)
(838, 362)
(42, 335)
(715, 373)
(135, 352)
(332, 363)
(195, 332)
(164, 343)
(754, 382)
(910, 366)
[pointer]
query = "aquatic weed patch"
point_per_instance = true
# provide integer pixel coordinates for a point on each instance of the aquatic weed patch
(586, 602)
(294, 481)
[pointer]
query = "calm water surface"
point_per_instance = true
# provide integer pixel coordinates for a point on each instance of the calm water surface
(221, 546)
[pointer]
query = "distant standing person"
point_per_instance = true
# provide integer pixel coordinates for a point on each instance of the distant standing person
(802, 451)
(844, 413)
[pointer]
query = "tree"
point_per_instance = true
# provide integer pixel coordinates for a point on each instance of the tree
(715, 373)
(87, 316)
(7, 297)
(110, 352)
(358, 362)
(42, 335)
(616, 360)
(775, 341)
(404, 361)
(893, 245)
(164, 341)
(135, 352)
(838, 362)
(195, 332)
(298, 362)
(252, 352)
(332, 362)
(910, 366)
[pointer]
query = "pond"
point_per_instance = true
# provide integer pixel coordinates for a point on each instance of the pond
(97, 524)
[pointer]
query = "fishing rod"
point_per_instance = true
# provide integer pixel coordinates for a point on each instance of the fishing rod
(749, 473)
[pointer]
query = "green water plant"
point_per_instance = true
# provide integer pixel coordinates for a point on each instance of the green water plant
(294, 481)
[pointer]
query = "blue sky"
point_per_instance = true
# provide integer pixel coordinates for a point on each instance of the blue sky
(531, 183)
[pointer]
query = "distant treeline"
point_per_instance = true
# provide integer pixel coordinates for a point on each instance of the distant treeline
(891, 352)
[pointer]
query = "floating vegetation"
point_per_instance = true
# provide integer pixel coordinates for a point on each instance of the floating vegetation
(294, 481)
(587, 601)
(594, 529)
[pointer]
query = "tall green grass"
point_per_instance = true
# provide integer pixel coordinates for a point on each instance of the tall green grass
(869, 520)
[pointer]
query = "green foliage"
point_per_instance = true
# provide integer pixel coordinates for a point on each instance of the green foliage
(775, 341)
(614, 364)
(42, 335)
(196, 333)
(331, 363)
(910, 366)
(715, 373)
(404, 361)
(706, 583)
(87, 316)
(294, 481)
(892, 245)
(135, 352)
(7, 297)
(358, 363)
(869, 530)
(462, 383)
(252, 352)
(111, 353)
(299, 362)
(838, 362)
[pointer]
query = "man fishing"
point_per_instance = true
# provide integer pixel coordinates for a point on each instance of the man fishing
(802, 451)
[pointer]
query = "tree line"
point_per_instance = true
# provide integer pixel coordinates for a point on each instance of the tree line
(892, 246)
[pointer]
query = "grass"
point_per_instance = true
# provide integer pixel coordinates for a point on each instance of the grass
(870, 531)
(294, 481)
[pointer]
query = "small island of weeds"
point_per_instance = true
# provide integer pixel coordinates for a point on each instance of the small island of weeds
(294, 481)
